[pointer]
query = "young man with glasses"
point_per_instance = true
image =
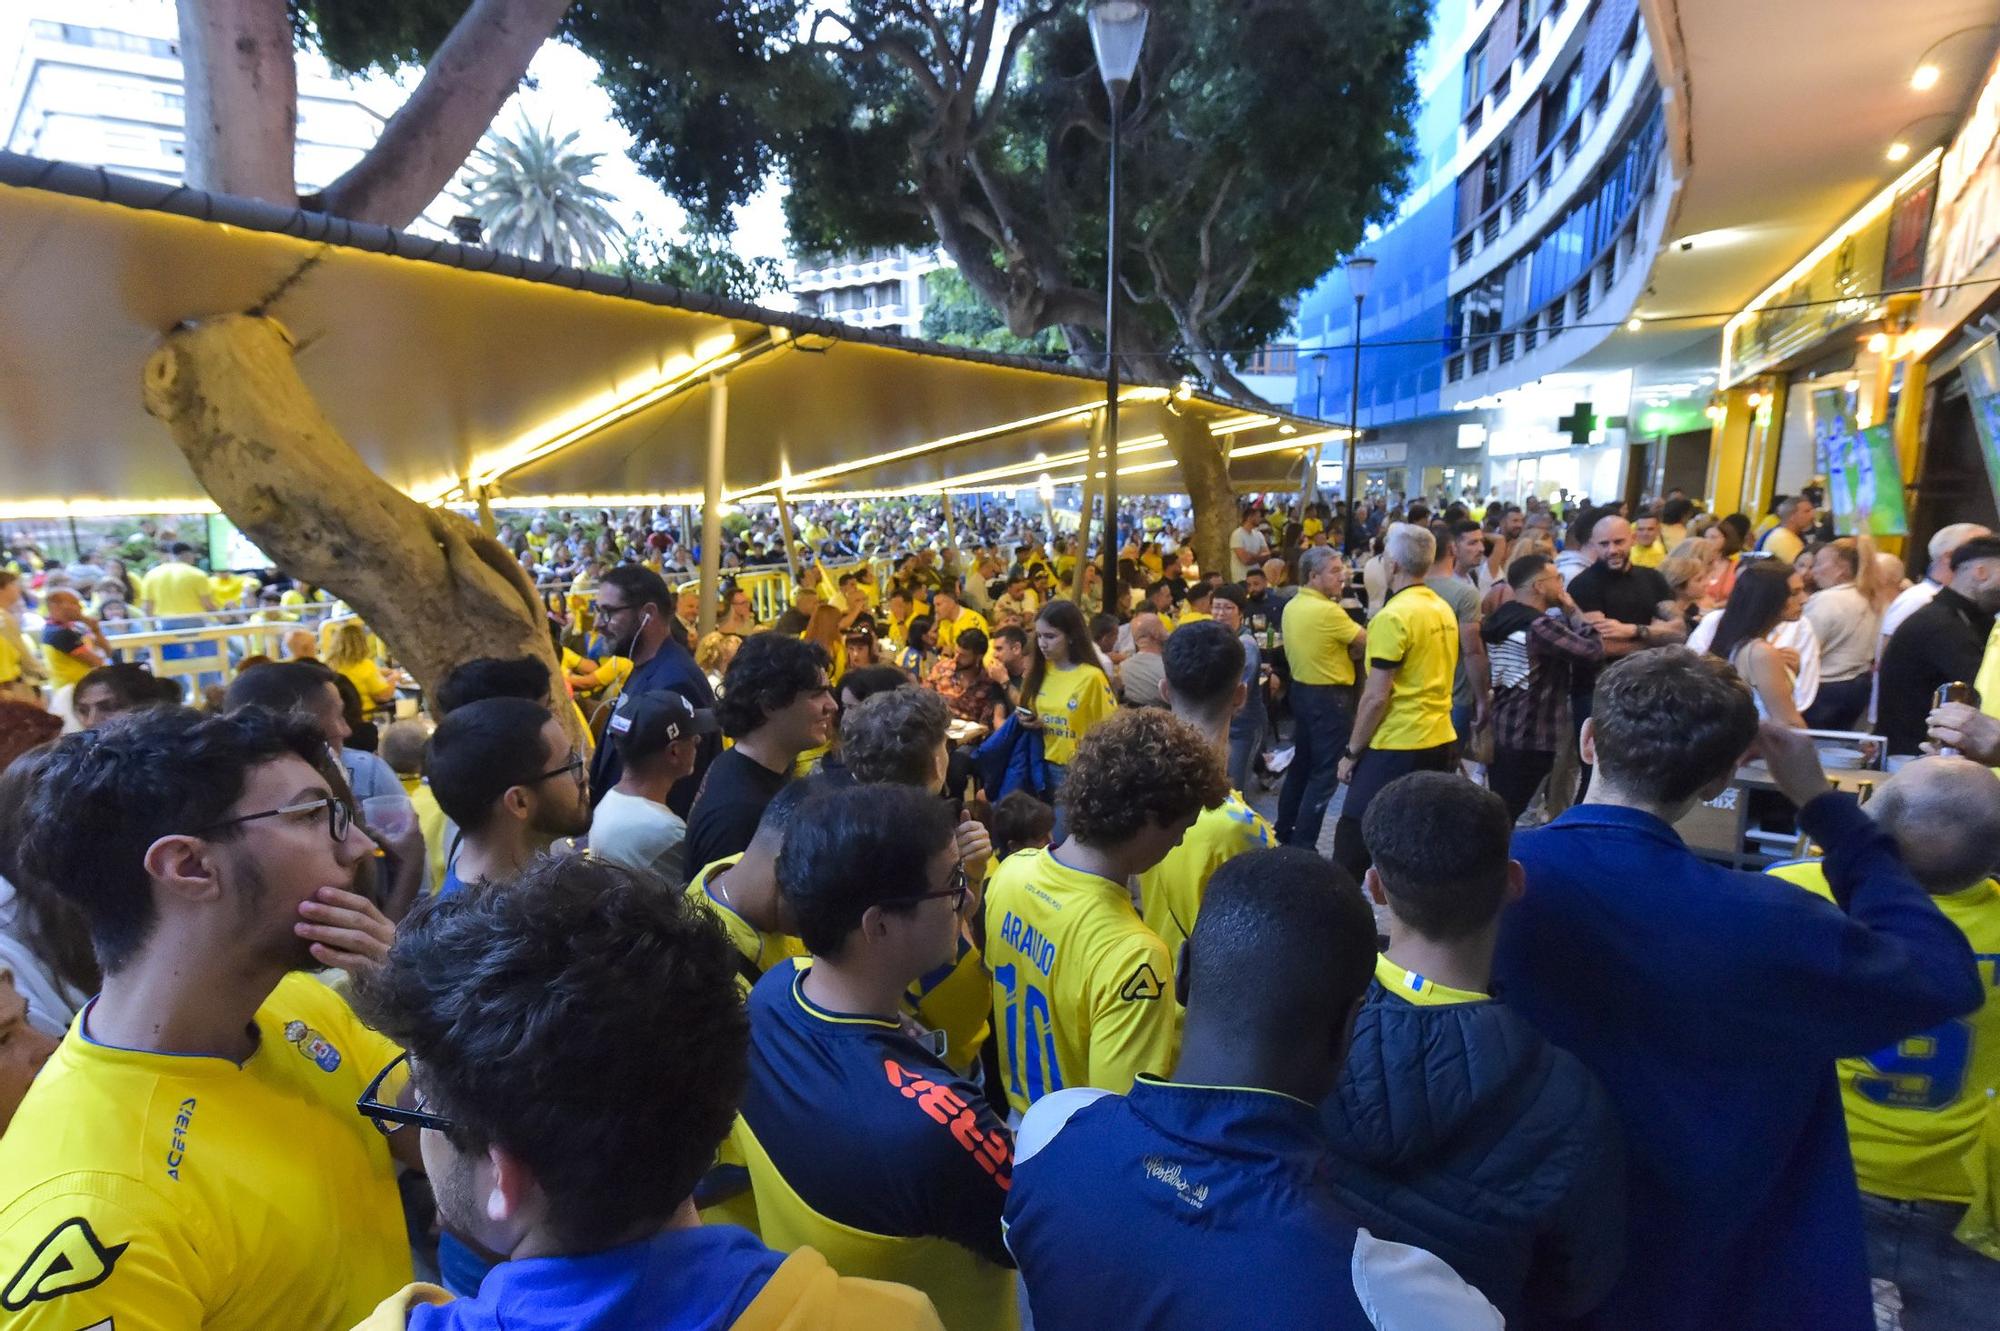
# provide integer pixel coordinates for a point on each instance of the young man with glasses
(577, 1050)
(190, 1156)
(503, 770)
(860, 1139)
(635, 613)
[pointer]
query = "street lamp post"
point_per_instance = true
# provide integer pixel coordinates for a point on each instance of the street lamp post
(1360, 274)
(1117, 32)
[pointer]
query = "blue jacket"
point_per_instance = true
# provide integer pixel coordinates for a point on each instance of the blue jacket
(1711, 1004)
(1011, 759)
(1460, 1130)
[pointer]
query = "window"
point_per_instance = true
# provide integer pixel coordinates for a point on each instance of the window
(1492, 179)
(1475, 74)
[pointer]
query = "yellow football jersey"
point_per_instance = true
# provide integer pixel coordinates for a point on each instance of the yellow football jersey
(1420, 990)
(968, 618)
(1071, 702)
(1081, 992)
(760, 951)
(1170, 892)
(155, 1192)
(1417, 633)
(1915, 1110)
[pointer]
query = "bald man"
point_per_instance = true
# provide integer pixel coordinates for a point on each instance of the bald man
(1917, 1109)
(1139, 674)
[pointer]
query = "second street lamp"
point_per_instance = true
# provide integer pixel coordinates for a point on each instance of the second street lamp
(1360, 276)
(1117, 32)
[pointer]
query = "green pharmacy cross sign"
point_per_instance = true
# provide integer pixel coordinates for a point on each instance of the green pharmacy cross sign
(1584, 422)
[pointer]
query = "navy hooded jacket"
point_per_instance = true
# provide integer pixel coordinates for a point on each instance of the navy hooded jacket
(1458, 1129)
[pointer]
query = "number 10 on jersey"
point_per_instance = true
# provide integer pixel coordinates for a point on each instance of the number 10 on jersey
(1031, 1038)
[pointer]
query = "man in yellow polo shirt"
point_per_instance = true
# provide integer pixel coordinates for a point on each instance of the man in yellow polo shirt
(1082, 989)
(1917, 1110)
(1403, 723)
(179, 594)
(952, 619)
(1322, 643)
(190, 1157)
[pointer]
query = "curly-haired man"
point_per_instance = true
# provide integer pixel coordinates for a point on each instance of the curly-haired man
(1080, 984)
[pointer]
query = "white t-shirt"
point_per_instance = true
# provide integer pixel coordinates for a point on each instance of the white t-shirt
(1907, 603)
(1247, 550)
(1796, 634)
(640, 835)
(52, 1004)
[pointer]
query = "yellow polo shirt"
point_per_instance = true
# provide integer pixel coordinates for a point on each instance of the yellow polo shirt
(176, 589)
(1317, 631)
(1415, 633)
(1171, 892)
(1649, 556)
(968, 618)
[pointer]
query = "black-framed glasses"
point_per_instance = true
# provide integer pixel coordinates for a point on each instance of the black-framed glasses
(339, 816)
(607, 611)
(390, 1119)
(957, 889)
(575, 767)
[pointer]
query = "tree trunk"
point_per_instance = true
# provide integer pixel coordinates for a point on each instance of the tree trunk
(437, 589)
(465, 83)
(1205, 473)
(242, 88)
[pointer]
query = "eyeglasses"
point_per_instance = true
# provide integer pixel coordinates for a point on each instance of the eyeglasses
(958, 889)
(574, 767)
(390, 1119)
(607, 611)
(339, 816)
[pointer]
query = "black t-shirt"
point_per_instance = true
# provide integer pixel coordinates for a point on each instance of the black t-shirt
(1942, 643)
(730, 805)
(1631, 597)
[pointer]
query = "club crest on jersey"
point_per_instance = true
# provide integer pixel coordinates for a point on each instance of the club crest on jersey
(70, 1260)
(1144, 984)
(1074, 700)
(313, 1045)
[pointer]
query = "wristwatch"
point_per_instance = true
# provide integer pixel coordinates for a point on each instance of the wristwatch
(1645, 633)
(1350, 755)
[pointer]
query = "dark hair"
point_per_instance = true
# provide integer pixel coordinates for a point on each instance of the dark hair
(582, 1020)
(1159, 584)
(484, 677)
(1979, 547)
(279, 686)
(1582, 525)
(971, 640)
(1756, 604)
(767, 674)
(1677, 511)
(1204, 664)
(132, 686)
(1065, 618)
(51, 925)
(1284, 941)
(867, 681)
(23, 727)
(181, 548)
(1101, 623)
(100, 798)
(1522, 572)
(894, 737)
(641, 586)
(777, 815)
(1440, 845)
(1141, 765)
(483, 750)
(1013, 633)
(1668, 722)
(1738, 526)
(858, 846)
(1018, 819)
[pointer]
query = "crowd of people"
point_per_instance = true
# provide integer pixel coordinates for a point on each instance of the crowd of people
(922, 958)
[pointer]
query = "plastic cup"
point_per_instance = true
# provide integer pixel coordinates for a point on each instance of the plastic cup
(391, 815)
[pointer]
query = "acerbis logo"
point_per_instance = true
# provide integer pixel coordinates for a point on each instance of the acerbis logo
(177, 1148)
(1143, 984)
(68, 1261)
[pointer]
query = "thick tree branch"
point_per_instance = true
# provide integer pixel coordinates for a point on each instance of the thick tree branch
(982, 123)
(467, 81)
(242, 87)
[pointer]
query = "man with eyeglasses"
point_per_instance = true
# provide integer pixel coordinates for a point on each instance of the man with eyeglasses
(504, 771)
(635, 613)
(577, 1054)
(190, 1157)
(860, 1139)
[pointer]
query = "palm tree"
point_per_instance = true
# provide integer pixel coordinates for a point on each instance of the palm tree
(533, 195)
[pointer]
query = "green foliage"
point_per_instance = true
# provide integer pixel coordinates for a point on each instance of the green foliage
(702, 261)
(533, 195)
(956, 316)
(386, 35)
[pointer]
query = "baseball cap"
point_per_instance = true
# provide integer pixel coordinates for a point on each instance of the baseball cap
(657, 718)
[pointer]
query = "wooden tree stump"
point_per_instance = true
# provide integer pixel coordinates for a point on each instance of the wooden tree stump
(436, 589)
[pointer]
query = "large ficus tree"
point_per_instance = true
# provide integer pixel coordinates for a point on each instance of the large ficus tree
(1261, 137)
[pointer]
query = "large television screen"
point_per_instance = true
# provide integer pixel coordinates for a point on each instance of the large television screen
(1864, 477)
(1982, 390)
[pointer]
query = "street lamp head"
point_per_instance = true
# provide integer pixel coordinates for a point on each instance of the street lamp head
(1117, 32)
(1360, 276)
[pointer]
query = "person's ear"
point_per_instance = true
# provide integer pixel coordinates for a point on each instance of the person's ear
(1721, 782)
(517, 801)
(1517, 881)
(1372, 880)
(1586, 742)
(1242, 694)
(1166, 692)
(508, 1186)
(184, 866)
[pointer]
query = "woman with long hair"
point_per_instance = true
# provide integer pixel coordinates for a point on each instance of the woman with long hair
(1064, 695)
(823, 630)
(1687, 569)
(1848, 624)
(1766, 594)
(346, 650)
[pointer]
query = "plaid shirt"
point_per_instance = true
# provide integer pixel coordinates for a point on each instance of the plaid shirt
(1532, 669)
